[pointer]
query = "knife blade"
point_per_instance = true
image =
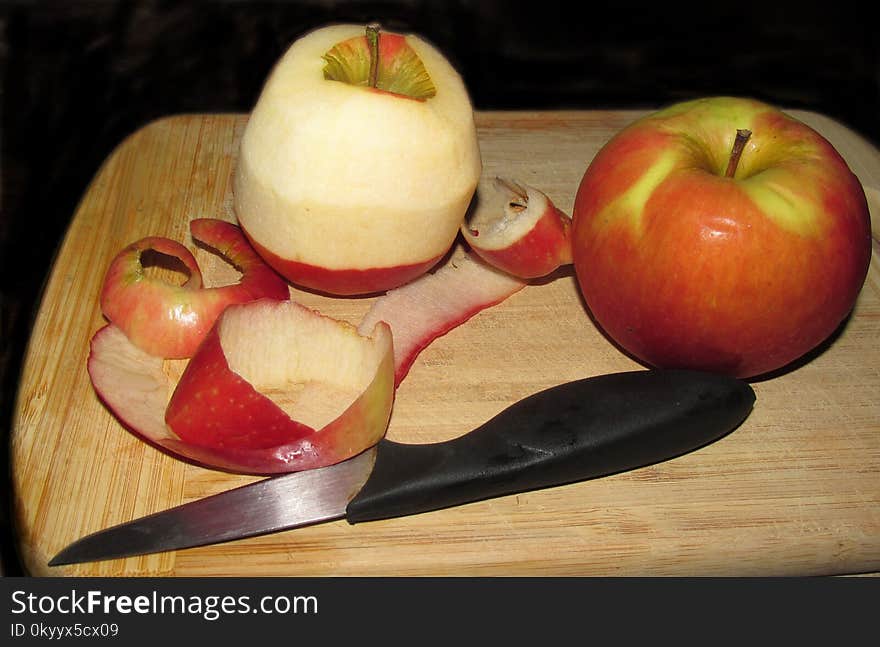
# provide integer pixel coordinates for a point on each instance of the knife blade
(576, 431)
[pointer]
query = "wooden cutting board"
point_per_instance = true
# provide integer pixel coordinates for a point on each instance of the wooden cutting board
(795, 490)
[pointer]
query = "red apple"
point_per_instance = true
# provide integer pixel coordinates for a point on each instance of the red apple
(170, 320)
(358, 161)
(720, 234)
(519, 230)
(275, 387)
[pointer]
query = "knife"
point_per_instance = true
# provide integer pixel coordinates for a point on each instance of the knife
(576, 431)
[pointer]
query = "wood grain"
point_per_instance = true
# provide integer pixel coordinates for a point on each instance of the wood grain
(795, 490)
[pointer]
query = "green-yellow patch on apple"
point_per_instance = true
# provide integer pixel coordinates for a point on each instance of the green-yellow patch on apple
(631, 205)
(770, 158)
(792, 209)
(399, 69)
(713, 137)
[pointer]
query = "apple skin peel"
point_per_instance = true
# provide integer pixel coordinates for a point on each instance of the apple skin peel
(519, 230)
(324, 396)
(170, 320)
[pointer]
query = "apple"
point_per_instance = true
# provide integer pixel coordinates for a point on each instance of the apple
(358, 161)
(170, 320)
(275, 387)
(519, 230)
(720, 234)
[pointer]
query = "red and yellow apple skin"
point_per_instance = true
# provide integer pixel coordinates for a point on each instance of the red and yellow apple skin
(169, 320)
(523, 234)
(207, 401)
(342, 281)
(274, 416)
(349, 189)
(682, 266)
(216, 407)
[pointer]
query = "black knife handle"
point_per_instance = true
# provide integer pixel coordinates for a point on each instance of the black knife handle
(579, 430)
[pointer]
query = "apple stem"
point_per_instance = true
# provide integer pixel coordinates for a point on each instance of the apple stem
(739, 145)
(373, 42)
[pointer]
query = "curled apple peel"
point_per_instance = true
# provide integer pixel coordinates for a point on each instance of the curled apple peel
(169, 320)
(519, 230)
(275, 387)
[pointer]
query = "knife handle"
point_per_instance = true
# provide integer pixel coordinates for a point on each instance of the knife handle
(576, 431)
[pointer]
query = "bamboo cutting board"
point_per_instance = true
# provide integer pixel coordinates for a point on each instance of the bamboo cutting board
(795, 490)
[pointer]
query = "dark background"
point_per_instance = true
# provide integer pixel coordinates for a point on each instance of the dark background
(77, 77)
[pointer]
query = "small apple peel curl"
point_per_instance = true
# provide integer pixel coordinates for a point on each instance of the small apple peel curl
(169, 320)
(520, 231)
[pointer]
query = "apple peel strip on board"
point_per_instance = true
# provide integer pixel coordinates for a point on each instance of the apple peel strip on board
(435, 303)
